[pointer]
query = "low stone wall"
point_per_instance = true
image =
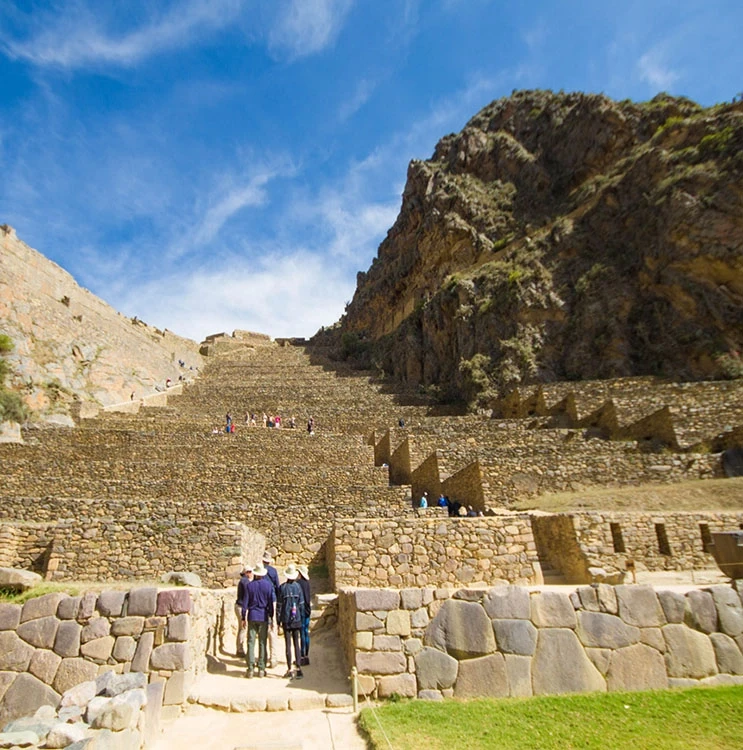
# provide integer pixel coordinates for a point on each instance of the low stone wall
(109, 550)
(442, 551)
(508, 641)
(575, 542)
(54, 642)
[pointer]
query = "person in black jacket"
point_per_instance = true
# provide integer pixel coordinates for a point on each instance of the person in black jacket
(291, 606)
(304, 582)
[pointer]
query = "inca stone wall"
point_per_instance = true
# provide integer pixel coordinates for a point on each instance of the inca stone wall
(56, 641)
(442, 551)
(507, 641)
(576, 542)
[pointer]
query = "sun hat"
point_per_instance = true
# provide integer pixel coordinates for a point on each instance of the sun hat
(303, 570)
(259, 570)
(291, 572)
(267, 557)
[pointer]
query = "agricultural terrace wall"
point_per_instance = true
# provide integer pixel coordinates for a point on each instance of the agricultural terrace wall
(441, 551)
(59, 641)
(112, 550)
(508, 641)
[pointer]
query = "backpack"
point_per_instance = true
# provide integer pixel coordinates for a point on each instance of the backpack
(290, 611)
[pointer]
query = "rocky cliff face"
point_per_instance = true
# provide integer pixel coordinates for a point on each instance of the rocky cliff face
(71, 346)
(561, 236)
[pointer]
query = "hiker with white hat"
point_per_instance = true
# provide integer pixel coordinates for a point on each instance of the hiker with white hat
(258, 613)
(289, 612)
(304, 582)
(274, 649)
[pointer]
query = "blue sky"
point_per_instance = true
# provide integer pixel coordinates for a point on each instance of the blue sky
(209, 165)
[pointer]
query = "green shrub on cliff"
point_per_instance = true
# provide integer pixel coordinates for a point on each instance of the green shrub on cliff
(12, 408)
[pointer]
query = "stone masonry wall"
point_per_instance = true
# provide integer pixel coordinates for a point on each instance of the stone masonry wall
(56, 641)
(508, 641)
(442, 551)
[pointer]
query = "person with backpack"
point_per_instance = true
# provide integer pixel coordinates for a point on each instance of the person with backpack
(290, 610)
(304, 582)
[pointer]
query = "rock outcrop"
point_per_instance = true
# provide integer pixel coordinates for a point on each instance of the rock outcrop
(70, 346)
(561, 237)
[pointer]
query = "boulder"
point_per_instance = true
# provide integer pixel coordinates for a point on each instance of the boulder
(462, 629)
(79, 695)
(727, 653)
(700, 612)
(24, 696)
(182, 578)
(636, 667)
(110, 684)
(601, 630)
(72, 672)
(639, 606)
(15, 579)
(552, 609)
(10, 615)
(63, 735)
(435, 669)
(560, 665)
(39, 632)
(515, 636)
(174, 602)
(507, 602)
(121, 712)
(689, 653)
(483, 677)
(67, 640)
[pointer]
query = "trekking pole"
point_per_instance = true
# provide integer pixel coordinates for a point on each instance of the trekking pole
(355, 689)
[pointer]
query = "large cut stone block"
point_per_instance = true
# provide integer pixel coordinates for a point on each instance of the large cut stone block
(41, 606)
(383, 662)
(560, 665)
(124, 648)
(729, 610)
(67, 641)
(515, 636)
(98, 650)
(552, 609)
(434, 669)
(485, 677)
(507, 603)
(141, 660)
(599, 630)
(177, 688)
(171, 656)
(173, 602)
(127, 626)
(727, 653)
(68, 608)
(24, 696)
(518, 670)
(86, 608)
(637, 667)
(462, 629)
(673, 604)
(39, 632)
(398, 622)
(15, 653)
(701, 613)
(639, 606)
(44, 665)
(400, 684)
(10, 615)
(376, 600)
(179, 627)
(142, 601)
(111, 603)
(6, 680)
(97, 627)
(366, 621)
(689, 654)
(72, 672)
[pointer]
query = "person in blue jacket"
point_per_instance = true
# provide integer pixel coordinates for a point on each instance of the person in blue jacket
(258, 613)
(289, 612)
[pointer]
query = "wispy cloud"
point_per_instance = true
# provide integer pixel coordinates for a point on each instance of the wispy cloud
(76, 37)
(655, 71)
(364, 90)
(304, 27)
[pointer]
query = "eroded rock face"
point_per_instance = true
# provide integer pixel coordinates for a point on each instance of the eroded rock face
(561, 236)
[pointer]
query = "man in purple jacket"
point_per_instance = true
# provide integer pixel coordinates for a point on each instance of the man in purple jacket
(258, 612)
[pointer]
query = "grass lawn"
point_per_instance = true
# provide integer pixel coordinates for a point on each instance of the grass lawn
(698, 718)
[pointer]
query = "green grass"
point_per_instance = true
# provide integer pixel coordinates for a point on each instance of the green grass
(699, 718)
(19, 597)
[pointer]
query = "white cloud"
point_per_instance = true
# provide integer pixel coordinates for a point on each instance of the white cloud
(364, 89)
(304, 27)
(653, 70)
(76, 38)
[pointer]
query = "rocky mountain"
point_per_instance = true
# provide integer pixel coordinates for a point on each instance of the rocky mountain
(561, 236)
(69, 346)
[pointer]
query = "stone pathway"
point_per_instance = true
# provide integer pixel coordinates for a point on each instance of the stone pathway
(229, 711)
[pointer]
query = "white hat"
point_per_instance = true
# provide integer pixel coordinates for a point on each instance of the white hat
(259, 570)
(291, 572)
(267, 557)
(304, 572)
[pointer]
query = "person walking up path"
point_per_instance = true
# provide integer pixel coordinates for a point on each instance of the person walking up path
(258, 613)
(290, 610)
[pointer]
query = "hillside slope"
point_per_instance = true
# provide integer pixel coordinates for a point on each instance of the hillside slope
(69, 345)
(561, 236)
